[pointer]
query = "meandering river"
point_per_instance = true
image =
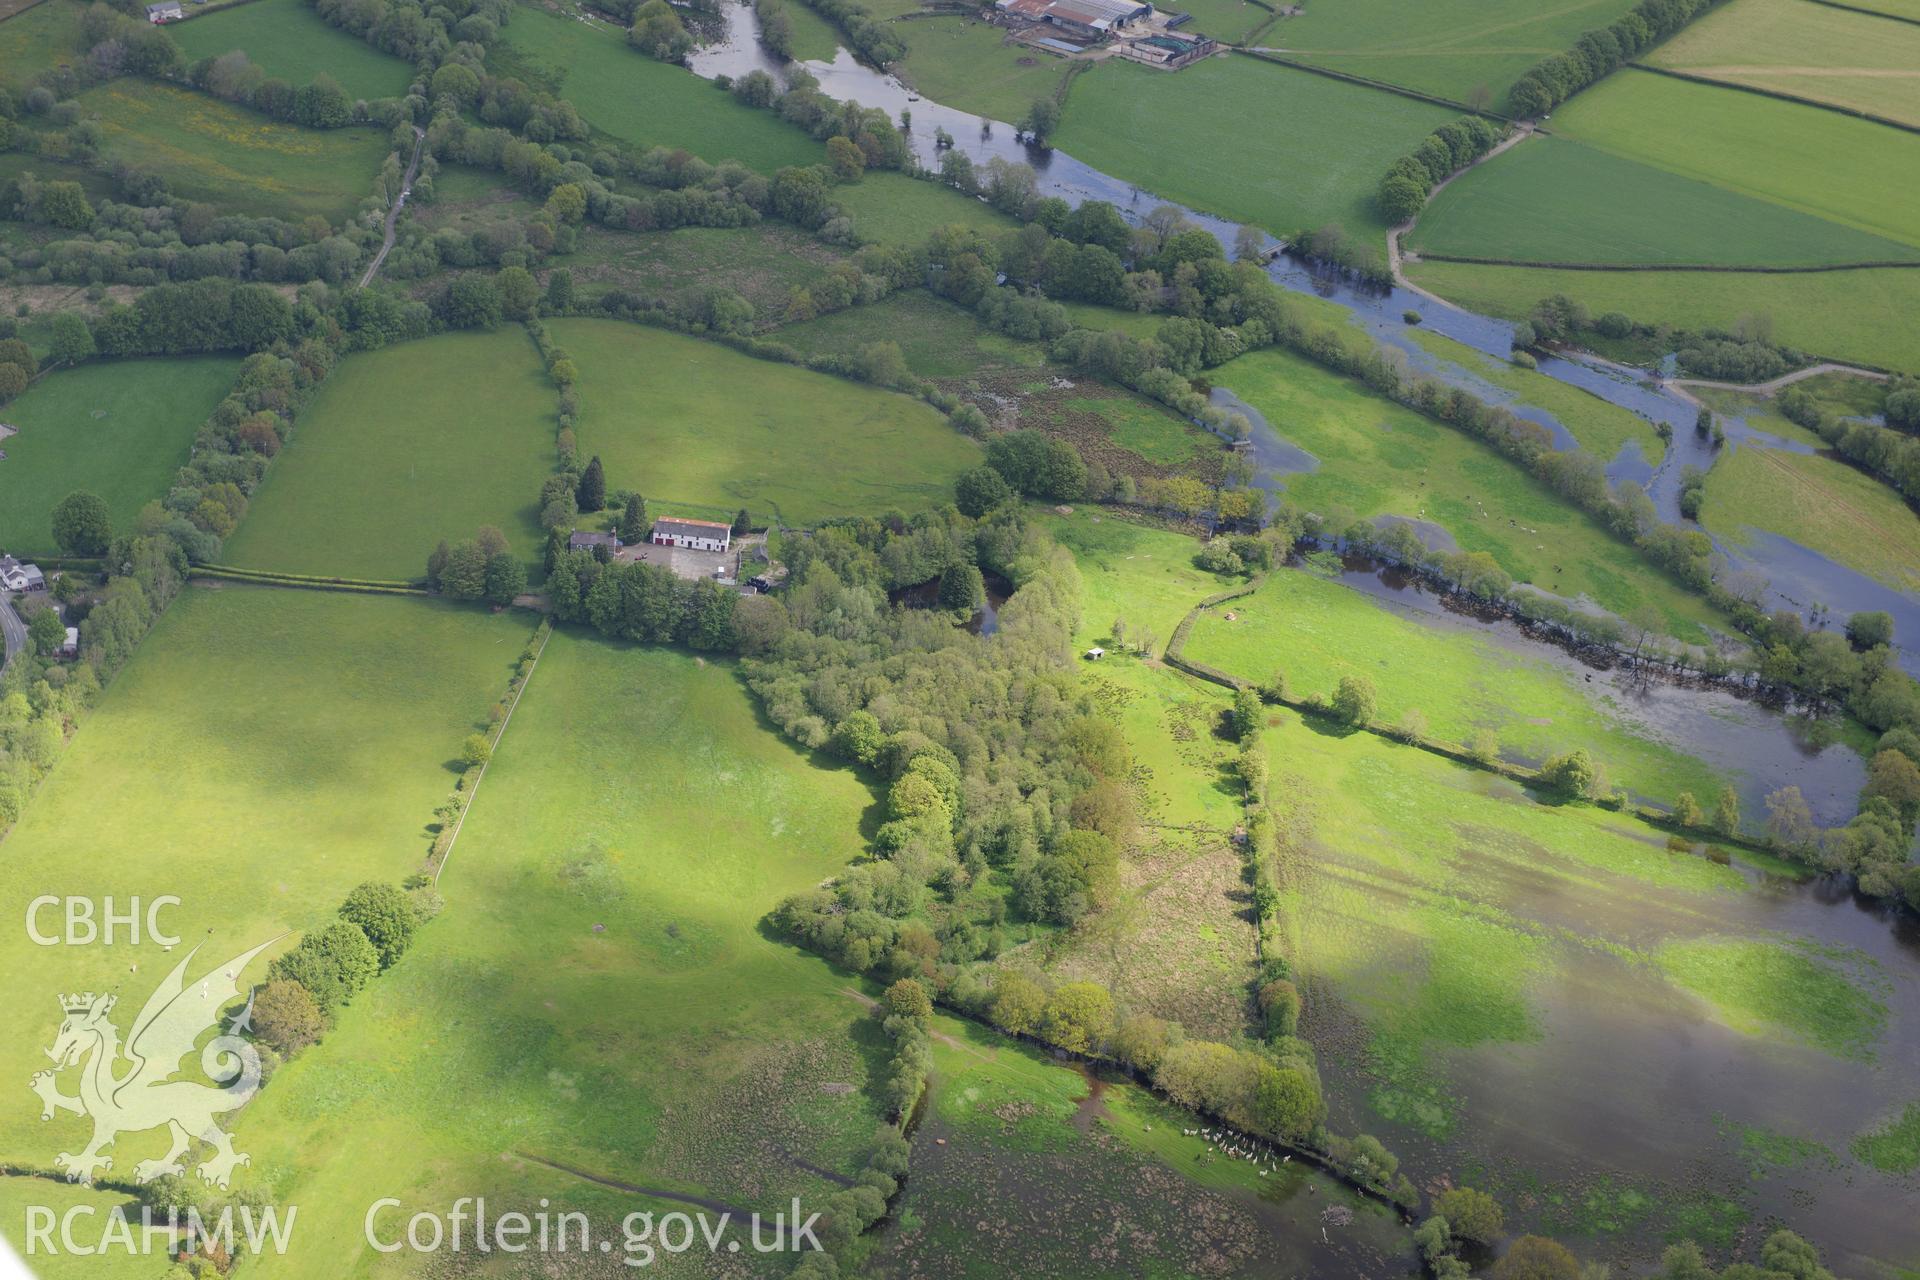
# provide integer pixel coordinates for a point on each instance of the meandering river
(1798, 578)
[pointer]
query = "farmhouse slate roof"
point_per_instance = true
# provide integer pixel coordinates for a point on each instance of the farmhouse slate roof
(692, 528)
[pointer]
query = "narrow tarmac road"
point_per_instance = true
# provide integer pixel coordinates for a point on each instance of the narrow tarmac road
(14, 630)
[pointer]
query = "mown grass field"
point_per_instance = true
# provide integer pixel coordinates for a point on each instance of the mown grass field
(43, 36)
(1379, 459)
(1811, 51)
(117, 428)
(384, 463)
(598, 991)
(263, 752)
(892, 208)
(965, 63)
(224, 155)
(1450, 48)
(1555, 200)
(1318, 162)
(1602, 428)
(639, 100)
(1849, 171)
(1839, 315)
(288, 39)
(692, 421)
(1820, 503)
(937, 338)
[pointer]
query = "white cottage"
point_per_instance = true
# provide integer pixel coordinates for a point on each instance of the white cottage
(696, 535)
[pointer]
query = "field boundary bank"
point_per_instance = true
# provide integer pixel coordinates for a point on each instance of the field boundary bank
(225, 573)
(9, 18)
(208, 13)
(1699, 267)
(1778, 95)
(1265, 55)
(1872, 13)
(526, 678)
(1658, 818)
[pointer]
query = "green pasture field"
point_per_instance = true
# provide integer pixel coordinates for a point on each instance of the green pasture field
(1229, 20)
(1555, 200)
(148, 412)
(44, 36)
(938, 339)
(385, 463)
(1909, 9)
(692, 421)
(814, 38)
(599, 991)
(1838, 315)
(1811, 51)
(966, 64)
(1821, 504)
(1142, 575)
(288, 39)
(1380, 459)
(1317, 631)
(1451, 48)
(1836, 167)
(1318, 162)
(892, 208)
(212, 151)
(763, 264)
(640, 100)
(1602, 428)
(263, 752)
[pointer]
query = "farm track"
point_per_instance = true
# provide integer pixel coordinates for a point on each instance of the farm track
(400, 202)
(1769, 388)
(1394, 256)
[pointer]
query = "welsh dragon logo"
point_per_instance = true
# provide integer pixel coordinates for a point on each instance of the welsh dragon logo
(129, 1088)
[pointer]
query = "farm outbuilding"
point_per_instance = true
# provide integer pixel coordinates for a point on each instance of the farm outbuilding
(166, 11)
(695, 535)
(1098, 18)
(587, 540)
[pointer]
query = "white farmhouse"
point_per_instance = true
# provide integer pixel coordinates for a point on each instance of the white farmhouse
(15, 576)
(695, 535)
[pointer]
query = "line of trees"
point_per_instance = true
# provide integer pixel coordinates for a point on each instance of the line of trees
(1551, 82)
(1891, 452)
(1440, 155)
(867, 35)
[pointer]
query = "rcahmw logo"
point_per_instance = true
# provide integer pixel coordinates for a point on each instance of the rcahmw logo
(129, 1087)
(75, 1232)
